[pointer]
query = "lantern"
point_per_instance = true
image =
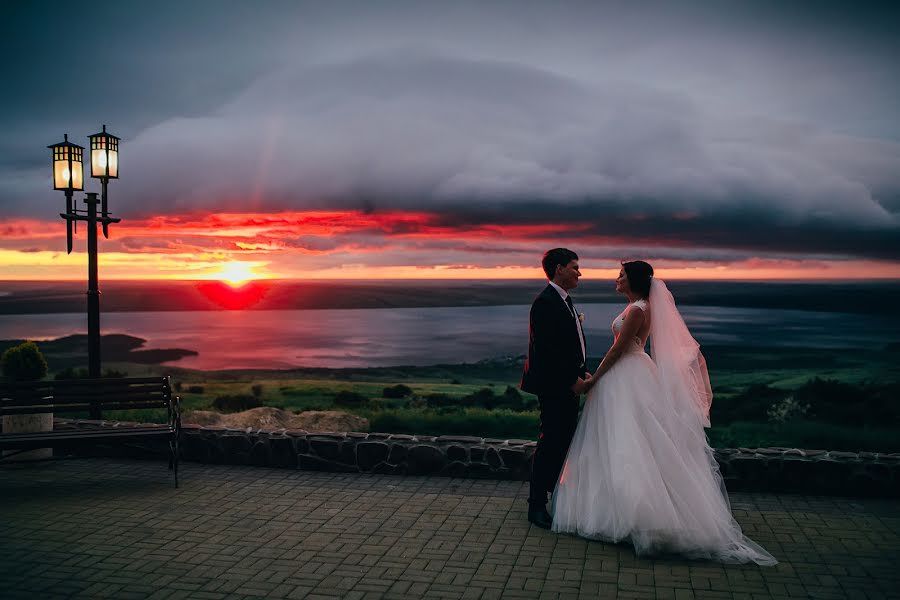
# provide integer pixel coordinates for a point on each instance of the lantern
(104, 155)
(68, 171)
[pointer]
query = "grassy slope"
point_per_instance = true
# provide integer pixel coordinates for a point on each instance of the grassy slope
(734, 369)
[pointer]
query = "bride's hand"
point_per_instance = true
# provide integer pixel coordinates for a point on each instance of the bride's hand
(581, 385)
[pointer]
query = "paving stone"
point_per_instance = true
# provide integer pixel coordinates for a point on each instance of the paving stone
(102, 528)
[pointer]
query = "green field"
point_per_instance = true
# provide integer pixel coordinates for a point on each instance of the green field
(792, 397)
(856, 408)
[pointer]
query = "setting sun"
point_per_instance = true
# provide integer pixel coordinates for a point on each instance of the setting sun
(237, 273)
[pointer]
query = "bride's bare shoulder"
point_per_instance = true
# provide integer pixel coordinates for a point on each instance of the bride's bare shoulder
(641, 304)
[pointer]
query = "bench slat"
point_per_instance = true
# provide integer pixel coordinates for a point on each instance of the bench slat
(89, 431)
(28, 409)
(94, 382)
(118, 396)
(68, 398)
(79, 407)
(49, 439)
(117, 391)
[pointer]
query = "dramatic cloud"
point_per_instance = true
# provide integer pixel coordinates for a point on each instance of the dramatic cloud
(449, 128)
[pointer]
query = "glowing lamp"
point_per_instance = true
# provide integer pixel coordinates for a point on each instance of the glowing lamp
(104, 155)
(68, 171)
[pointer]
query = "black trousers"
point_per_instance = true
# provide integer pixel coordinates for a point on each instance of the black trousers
(559, 417)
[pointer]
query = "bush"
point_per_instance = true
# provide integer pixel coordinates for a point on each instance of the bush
(817, 400)
(397, 391)
(236, 403)
(195, 389)
(836, 402)
(454, 420)
(751, 405)
(511, 399)
(72, 373)
(24, 362)
(350, 399)
(257, 390)
(437, 400)
(483, 398)
(787, 410)
(804, 434)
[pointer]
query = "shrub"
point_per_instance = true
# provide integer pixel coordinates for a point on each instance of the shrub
(825, 401)
(257, 390)
(437, 400)
(457, 421)
(804, 434)
(24, 362)
(787, 410)
(397, 391)
(351, 399)
(513, 400)
(195, 389)
(71, 373)
(835, 402)
(236, 403)
(483, 398)
(751, 405)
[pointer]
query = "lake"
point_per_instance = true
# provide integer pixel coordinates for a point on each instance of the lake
(272, 339)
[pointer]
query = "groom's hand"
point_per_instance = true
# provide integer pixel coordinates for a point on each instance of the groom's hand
(581, 385)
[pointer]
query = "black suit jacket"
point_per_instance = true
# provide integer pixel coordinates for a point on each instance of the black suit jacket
(554, 360)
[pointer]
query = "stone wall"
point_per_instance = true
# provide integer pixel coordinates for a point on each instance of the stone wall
(759, 469)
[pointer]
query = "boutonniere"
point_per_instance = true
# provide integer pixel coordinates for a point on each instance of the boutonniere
(581, 317)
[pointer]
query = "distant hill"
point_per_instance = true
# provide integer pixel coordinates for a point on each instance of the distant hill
(71, 350)
(20, 297)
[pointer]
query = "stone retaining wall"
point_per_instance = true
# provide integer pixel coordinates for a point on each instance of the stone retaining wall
(759, 469)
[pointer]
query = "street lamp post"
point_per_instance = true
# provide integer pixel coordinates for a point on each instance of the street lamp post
(68, 176)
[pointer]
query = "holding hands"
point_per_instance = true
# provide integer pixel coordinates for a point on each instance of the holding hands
(582, 386)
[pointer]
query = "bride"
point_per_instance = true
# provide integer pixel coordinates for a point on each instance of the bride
(639, 468)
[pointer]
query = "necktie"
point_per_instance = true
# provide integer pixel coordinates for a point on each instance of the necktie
(577, 324)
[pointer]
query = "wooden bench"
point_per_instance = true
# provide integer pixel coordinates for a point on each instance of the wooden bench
(91, 397)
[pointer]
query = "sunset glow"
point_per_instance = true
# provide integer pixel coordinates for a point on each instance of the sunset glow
(237, 273)
(239, 247)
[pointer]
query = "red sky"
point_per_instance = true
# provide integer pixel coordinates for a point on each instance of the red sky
(384, 245)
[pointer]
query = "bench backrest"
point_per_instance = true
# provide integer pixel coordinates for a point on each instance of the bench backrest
(84, 395)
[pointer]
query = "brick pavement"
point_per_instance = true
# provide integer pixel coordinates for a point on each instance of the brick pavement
(104, 528)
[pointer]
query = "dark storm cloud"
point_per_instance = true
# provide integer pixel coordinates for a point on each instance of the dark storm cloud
(746, 126)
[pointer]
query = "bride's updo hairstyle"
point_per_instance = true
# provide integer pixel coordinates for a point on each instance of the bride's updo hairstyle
(639, 274)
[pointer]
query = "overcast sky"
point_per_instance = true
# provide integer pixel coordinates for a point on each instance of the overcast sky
(737, 128)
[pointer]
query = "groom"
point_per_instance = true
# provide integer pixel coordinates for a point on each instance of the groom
(554, 371)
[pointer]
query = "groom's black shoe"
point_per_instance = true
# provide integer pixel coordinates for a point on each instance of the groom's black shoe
(540, 517)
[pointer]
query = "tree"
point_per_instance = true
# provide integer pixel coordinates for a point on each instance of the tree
(24, 362)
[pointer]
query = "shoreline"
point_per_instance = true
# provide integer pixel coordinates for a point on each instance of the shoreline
(29, 298)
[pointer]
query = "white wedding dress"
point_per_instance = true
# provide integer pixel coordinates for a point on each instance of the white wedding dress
(639, 468)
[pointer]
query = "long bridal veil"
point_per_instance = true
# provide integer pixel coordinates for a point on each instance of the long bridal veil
(676, 353)
(685, 381)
